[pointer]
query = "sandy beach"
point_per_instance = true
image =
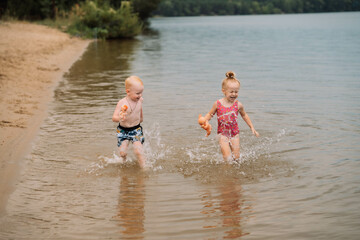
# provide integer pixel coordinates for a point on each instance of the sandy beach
(33, 58)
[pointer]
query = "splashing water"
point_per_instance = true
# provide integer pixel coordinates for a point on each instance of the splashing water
(154, 151)
(197, 158)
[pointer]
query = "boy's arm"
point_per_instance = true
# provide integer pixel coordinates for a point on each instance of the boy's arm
(116, 114)
(141, 113)
(212, 112)
(247, 119)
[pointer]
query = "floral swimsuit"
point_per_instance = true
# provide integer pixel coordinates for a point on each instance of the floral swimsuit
(227, 119)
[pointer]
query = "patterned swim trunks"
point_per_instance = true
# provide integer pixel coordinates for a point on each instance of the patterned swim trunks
(132, 134)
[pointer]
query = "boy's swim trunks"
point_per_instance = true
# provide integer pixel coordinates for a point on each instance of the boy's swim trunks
(227, 119)
(132, 134)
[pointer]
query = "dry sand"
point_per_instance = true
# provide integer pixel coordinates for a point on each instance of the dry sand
(33, 58)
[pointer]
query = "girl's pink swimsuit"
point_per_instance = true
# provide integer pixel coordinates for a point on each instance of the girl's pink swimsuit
(227, 119)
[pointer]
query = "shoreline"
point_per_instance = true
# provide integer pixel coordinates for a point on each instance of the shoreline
(33, 59)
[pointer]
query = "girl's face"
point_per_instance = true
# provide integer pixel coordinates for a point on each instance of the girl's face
(135, 92)
(231, 91)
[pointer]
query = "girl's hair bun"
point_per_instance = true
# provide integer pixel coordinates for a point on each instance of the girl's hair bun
(230, 77)
(230, 74)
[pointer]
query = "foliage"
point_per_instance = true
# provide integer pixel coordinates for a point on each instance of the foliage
(96, 18)
(43, 9)
(27, 9)
(145, 7)
(237, 7)
(116, 18)
(99, 20)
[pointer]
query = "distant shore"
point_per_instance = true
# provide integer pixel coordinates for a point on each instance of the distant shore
(33, 58)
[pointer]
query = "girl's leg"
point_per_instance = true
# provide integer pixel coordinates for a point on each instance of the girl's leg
(225, 147)
(123, 149)
(235, 147)
(139, 152)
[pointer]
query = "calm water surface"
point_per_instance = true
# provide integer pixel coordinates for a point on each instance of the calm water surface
(300, 79)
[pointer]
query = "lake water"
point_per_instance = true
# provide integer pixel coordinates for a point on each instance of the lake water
(300, 84)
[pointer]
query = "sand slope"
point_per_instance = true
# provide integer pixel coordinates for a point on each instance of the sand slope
(33, 58)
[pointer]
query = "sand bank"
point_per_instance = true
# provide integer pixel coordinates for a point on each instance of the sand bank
(33, 58)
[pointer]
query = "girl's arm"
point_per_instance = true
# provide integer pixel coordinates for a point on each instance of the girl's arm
(212, 112)
(246, 118)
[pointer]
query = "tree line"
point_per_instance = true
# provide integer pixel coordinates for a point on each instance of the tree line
(244, 7)
(127, 18)
(86, 18)
(42, 9)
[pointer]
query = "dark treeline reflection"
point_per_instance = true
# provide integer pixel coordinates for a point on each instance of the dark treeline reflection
(101, 71)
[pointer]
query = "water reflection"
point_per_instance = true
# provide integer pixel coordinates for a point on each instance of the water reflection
(98, 77)
(107, 56)
(131, 207)
(224, 209)
(184, 66)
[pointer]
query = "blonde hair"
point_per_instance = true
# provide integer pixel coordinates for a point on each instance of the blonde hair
(230, 77)
(131, 80)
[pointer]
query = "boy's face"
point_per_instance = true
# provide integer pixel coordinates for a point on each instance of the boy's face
(231, 91)
(134, 92)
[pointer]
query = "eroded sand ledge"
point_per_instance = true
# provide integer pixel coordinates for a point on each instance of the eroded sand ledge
(33, 58)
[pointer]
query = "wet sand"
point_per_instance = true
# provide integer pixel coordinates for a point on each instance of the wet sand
(33, 58)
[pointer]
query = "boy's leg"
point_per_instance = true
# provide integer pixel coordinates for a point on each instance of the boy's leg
(123, 149)
(139, 152)
(225, 147)
(235, 147)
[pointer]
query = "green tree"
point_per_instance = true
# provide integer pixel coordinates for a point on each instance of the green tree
(144, 8)
(29, 9)
(102, 21)
(166, 8)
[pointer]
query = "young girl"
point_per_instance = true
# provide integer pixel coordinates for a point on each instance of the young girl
(227, 109)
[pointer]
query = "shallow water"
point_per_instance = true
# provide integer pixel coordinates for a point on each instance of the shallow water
(299, 180)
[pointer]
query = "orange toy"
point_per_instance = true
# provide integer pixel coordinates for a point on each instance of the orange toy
(124, 108)
(204, 124)
(123, 112)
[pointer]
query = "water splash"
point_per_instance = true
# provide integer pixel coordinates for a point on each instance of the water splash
(154, 147)
(204, 160)
(201, 157)
(154, 150)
